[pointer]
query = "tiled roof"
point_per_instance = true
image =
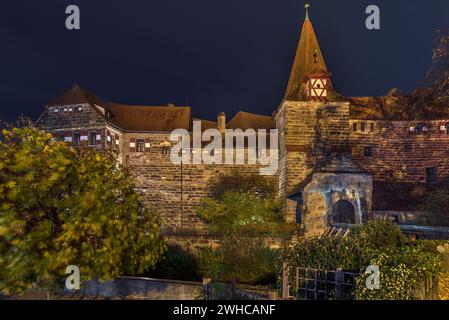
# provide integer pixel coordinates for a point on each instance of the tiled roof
(207, 124)
(244, 120)
(148, 118)
(308, 58)
(76, 95)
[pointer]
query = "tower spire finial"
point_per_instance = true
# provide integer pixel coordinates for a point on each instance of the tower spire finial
(307, 6)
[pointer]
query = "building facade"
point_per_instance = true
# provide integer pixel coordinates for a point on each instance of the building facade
(337, 157)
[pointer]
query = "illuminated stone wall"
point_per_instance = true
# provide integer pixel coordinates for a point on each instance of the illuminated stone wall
(398, 154)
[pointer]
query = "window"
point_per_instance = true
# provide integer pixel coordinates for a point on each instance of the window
(368, 151)
(76, 139)
(422, 129)
(165, 150)
(92, 138)
(354, 127)
(371, 127)
(140, 145)
(362, 126)
(431, 175)
(315, 56)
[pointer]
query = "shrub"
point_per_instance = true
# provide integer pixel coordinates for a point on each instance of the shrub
(241, 259)
(235, 210)
(327, 253)
(435, 208)
(401, 271)
(443, 286)
(176, 264)
(402, 264)
(209, 263)
(381, 233)
(237, 182)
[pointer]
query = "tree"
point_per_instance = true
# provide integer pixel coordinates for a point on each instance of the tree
(256, 185)
(241, 202)
(62, 206)
(435, 208)
(241, 259)
(234, 210)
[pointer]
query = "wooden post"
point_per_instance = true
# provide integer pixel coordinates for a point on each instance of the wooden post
(297, 281)
(207, 288)
(339, 283)
(285, 285)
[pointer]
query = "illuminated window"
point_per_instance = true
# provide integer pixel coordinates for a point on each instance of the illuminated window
(165, 150)
(354, 127)
(140, 145)
(362, 126)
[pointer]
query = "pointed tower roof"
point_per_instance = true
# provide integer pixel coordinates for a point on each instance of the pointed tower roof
(308, 59)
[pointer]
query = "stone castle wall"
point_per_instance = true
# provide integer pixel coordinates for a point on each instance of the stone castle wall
(71, 117)
(398, 154)
(308, 130)
(64, 121)
(174, 191)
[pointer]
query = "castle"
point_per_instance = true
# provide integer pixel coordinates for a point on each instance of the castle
(340, 160)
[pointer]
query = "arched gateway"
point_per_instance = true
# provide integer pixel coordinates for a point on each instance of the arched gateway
(343, 212)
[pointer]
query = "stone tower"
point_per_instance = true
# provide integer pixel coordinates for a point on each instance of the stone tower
(318, 181)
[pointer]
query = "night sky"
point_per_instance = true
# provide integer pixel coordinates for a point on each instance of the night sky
(224, 55)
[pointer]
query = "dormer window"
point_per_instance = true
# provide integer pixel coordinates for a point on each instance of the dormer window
(315, 56)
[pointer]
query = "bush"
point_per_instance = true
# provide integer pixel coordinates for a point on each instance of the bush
(242, 259)
(235, 210)
(237, 182)
(327, 253)
(209, 263)
(378, 234)
(176, 264)
(402, 269)
(435, 208)
(402, 264)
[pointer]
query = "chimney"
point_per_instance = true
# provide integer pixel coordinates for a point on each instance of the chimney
(221, 122)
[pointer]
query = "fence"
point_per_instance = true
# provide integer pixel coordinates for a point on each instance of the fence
(316, 284)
